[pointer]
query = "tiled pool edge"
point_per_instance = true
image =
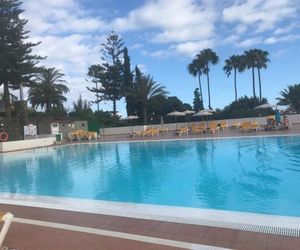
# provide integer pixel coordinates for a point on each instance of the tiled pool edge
(271, 224)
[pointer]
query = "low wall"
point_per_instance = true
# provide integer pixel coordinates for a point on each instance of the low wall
(26, 144)
(172, 126)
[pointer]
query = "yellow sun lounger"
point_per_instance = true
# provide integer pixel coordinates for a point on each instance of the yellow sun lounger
(6, 218)
(245, 127)
(81, 135)
(182, 131)
(254, 126)
(213, 127)
(223, 125)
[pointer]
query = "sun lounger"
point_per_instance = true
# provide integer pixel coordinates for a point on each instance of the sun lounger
(182, 131)
(202, 126)
(213, 127)
(223, 125)
(197, 130)
(6, 218)
(163, 130)
(245, 127)
(236, 125)
(82, 135)
(254, 126)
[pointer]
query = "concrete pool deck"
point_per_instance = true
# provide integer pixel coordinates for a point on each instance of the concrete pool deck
(40, 228)
(52, 228)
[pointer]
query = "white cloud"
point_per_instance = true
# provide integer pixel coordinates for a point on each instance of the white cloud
(176, 20)
(249, 42)
(262, 14)
(143, 68)
(280, 53)
(57, 17)
(187, 49)
(136, 46)
(69, 39)
(192, 48)
(160, 54)
(286, 29)
(288, 38)
(233, 38)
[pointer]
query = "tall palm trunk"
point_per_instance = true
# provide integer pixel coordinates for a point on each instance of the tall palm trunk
(21, 92)
(235, 89)
(259, 82)
(208, 89)
(200, 87)
(253, 82)
(97, 98)
(145, 115)
(6, 100)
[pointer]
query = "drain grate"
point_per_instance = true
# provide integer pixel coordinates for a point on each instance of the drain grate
(294, 232)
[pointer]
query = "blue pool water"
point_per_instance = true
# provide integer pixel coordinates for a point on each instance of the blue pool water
(252, 174)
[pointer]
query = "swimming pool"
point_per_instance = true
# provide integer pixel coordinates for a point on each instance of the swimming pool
(260, 175)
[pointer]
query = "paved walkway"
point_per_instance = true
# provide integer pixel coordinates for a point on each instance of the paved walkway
(43, 229)
(223, 133)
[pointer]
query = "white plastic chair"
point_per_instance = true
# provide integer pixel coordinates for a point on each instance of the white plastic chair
(7, 219)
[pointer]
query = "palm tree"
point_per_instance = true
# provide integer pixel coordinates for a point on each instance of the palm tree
(234, 63)
(195, 68)
(48, 89)
(208, 57)
(144, 90)
(261, 62)
(251, 64)
(290, 97)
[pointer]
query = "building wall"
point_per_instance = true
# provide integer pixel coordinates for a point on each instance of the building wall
(66, 128)
(172, 126)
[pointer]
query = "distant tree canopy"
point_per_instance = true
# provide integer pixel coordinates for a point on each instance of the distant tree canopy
(17, 63)
(82, 109)
(243, 107)
(160, 106)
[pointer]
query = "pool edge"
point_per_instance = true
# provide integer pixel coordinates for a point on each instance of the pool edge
(263, 223)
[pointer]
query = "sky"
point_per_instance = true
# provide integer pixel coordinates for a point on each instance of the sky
(163, 36)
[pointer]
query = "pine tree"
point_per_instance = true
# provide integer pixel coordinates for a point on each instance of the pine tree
(17, 64)
(109, 75)
(197, 102)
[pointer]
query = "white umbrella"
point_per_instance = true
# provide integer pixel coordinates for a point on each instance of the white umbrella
(130, 118)
(266, 106)
(188, 113)
(176, 113)
(203, 113)
(208, 110)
